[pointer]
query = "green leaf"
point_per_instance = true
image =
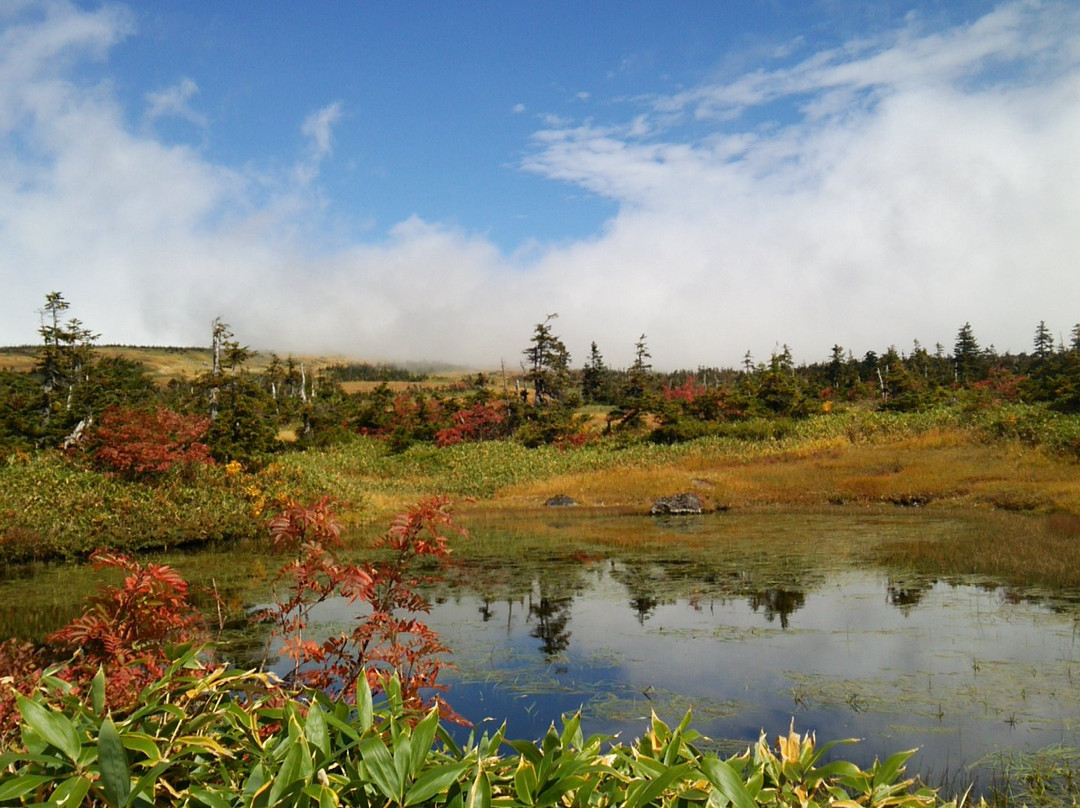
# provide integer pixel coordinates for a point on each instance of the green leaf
(294, 772)
(887, 772)
(525, 781)
(393, 696)
(553, 793)
(365, 713)
(527, 750)
(434, 781)
(324, 796)
(571, 734)
(97, 692)
(727, 781)
(115, 775)
(380, 767)
(54, 728)
(71, 792)
(347, 730)
(402, 760)
(255, 784)
(651, 789)
(148, 781)
(423, 736)
(315, 730)
(21, 784)
(480, 792)
(210, 798)
(142, 743)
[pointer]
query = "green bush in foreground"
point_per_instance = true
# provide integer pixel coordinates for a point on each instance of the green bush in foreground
(217, 737)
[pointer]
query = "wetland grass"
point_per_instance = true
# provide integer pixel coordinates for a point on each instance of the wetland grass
(1043, 554)
(952, 467)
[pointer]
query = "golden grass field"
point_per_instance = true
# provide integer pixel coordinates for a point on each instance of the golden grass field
(164, 364)
(939, 469)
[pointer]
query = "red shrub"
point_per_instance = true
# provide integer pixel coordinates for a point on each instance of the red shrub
(137, 443)
(128, 629)
(482, 421)
(387, 639)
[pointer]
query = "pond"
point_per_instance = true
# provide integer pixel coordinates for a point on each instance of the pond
(749, 620)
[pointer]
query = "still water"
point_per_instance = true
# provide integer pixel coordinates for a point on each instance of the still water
(750, 621)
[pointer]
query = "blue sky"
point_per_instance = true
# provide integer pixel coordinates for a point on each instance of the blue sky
(428, 180)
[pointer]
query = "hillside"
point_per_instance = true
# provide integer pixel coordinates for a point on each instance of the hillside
(165, 363)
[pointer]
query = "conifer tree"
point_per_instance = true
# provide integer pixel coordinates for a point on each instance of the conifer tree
(548, 364)
(594, 377)
(968, 360)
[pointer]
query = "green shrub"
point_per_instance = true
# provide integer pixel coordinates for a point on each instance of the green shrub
(51, 507)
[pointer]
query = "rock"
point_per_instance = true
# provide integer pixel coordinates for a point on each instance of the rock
(561, 501)
(684, 503)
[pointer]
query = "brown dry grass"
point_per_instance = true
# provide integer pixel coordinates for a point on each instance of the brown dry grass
(1044, 553)
(164, 364)
(940, 468)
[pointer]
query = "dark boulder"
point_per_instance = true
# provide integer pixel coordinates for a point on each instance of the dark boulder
(679, 504)
(561, 501)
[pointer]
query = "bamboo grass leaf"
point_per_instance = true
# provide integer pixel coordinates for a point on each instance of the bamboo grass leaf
(364, 709)
(525, 782)
(644, 792)
(55, 729)
(142, 743)
(380, 767)
(147, 782)
(324, 796)
(480, 792)
(23, 784)
(210, 798)
(434, 781)
(97, 692)
(315, 729)
(423, 736)
(728, 782)
(71, 792)
(115, 774)
(887, 772)
(291, 776)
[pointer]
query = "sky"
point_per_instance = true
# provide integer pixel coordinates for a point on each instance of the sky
(427, 181)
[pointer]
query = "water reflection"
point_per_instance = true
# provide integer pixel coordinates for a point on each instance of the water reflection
(778, 602)
(552, 618)
(748, 620)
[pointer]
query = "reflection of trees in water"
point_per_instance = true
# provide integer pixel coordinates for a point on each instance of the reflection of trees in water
(647, 584)
(778, 602)
(906, 593)
(552, 616)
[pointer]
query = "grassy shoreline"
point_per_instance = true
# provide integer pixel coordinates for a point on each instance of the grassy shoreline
(1009, 459)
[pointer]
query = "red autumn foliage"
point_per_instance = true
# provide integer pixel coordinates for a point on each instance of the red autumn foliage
(1000, 385)
(21, 666)
(128, 629)
(689, 391)
(387, 637)
(139, 443)
(298, 524)
(481, 421)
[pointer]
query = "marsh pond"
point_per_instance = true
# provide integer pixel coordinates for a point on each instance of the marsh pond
(750, 620)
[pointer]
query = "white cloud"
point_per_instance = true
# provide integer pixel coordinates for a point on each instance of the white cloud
(943, 196)
(175, 102)
(517, 109)
(318, 126)
(914, 183)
